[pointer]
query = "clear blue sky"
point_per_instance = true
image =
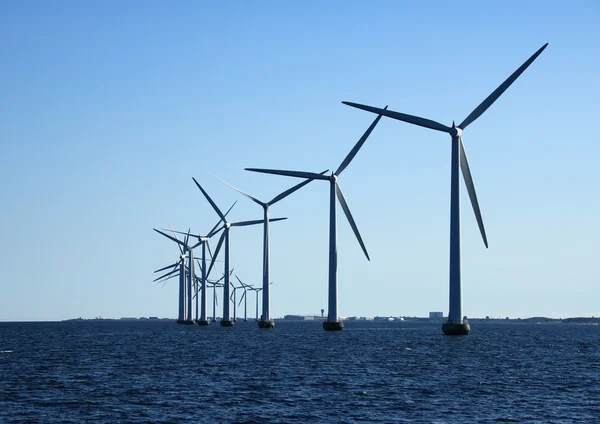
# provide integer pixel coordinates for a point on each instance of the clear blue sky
(107, 109)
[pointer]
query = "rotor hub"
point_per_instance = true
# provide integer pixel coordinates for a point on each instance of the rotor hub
(455, 131)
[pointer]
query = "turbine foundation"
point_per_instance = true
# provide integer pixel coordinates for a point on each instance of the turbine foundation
(185, 321)
(333, 325)
(226, 323)
(266, 323)
(203, 322)
(456, 329)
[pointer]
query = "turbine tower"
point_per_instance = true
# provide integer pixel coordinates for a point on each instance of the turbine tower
(332, 323)
(266, 321)
(226, 321)
(456, 325)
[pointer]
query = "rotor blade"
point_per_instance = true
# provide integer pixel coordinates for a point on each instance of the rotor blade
(168, 266)
(240, 191)
(358, 145)
(298, 174)
(291, 190)
(213, 232)
(422, 122)
(169, 237)
(209, 250)
(242, 297)
(180, 248)
(187, 237)
(498, 91)
(167, 279)
(185, 234)
(166, 275)
(464, 166)
(214, 206)
(346, 210)
(238, 278)
(212, 262)
(257, 221)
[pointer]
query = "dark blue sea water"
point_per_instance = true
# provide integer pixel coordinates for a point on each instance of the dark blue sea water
(375, 372)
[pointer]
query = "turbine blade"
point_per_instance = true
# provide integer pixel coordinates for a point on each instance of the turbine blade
(165, 275)
(257, 221)
(358, 145)
(238, 278)
(187, 237)
(212, 262)
(213, 231)
(464, 166)
(291, 190)
(240, 191)
(209, 250)
(422, 122)
(180, 248)
(181, 232)
(167, 267)
(346, 209)
(242, 298)
(498, 91)
(214, 206)
(169, 237)
(298, 174)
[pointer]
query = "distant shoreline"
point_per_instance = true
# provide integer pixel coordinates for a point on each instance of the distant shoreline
(531, 320)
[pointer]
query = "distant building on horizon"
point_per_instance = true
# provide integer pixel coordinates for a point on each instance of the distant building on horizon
(439, 315)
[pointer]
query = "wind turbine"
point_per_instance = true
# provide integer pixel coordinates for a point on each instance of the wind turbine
(233, 298)
(226, 321)
(244, 298)
(186, 252)
(204, 241)
(214, 286)
(332, 323)
(266, 321)
(256, 290)
(455, 325)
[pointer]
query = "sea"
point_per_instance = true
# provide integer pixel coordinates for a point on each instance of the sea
(155, 371)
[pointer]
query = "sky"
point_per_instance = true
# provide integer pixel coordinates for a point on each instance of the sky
(108, 109)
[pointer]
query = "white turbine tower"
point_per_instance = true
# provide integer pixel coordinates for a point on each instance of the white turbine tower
(455, 324)
(332, 323)
(266, 321)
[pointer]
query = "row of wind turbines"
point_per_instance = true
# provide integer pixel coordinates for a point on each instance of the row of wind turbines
(455, 324)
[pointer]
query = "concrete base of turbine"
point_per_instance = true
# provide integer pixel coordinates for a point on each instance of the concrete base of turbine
(203, 322)
(333, 325)
(213, 320)
(226, 323)
(266, 323)
(453, 329)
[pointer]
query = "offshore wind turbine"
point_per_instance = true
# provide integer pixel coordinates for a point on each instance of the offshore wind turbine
(185, 274)
(266, 321)
(214, 285)
(333, 322)
(244, 298)
(204, 241)
(226, 321)
(456, 324)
